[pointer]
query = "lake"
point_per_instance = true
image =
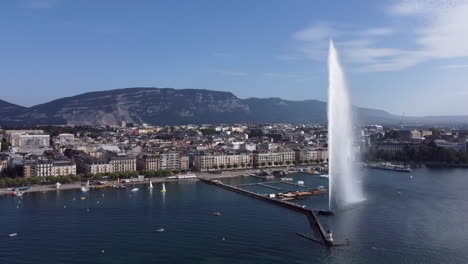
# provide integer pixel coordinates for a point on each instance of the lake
(422, 219)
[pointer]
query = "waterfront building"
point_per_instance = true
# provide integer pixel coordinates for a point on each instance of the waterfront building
(316, 154)
(205, 162)
(122, 163)
(273, 158)
(46, 167)
(148, 162)
(170, 161)
(460, 147)
(88, 164)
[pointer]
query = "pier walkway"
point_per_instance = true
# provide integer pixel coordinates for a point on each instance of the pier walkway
(314, 221)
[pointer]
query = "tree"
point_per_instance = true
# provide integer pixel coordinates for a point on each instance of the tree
(242, 165)
(288, 162)
(229, 166)
(5, 145)
(270, 163)
(235, 166)
(222, 166)
(263, 164)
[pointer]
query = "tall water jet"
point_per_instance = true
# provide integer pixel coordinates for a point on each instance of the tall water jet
(343, 185)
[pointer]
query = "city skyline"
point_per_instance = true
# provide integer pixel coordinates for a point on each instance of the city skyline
(398, 54)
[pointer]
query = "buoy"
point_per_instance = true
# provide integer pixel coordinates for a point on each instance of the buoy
(87, 210)
(97, 202)
(102, 251)
(64, 206)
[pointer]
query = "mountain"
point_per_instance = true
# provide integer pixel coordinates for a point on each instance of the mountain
(166, 106)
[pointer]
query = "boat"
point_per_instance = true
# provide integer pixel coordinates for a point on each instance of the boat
(217, 214)
(160, 230)
(86, 187)
(18, 193)
(389, 166)
(83, 198)
(12, 234)
(151, 185)
(120, 186)
(134, 190)
(324, 176)
(163, 188)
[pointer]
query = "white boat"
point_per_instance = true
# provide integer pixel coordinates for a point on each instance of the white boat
(18, 193)
(324, 176)
(163, 188)
(135, 190)
(151, 185)
(85, 188)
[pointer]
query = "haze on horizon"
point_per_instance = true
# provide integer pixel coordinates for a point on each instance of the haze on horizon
(406, 56)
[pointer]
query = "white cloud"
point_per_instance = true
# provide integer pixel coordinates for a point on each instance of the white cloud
(436, 30)
(315, 32)
(229, 72)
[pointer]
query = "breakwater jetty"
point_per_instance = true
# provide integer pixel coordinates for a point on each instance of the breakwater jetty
(324, 237)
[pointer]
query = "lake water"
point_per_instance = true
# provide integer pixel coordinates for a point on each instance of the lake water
(403, 220)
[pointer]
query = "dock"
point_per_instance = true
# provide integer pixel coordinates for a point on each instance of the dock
(314, 221)
(271, 182)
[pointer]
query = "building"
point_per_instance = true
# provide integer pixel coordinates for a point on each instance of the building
(460, 147)
(170, 161)
(184, 162)
(274, 158)
(3, 162)
(63, 168)
(46, 168)
(29, 141)
(89, 164)
(122, 163)
(394, 147)
(66, 139)
(148, 162)
(205, 162)
(316, 154)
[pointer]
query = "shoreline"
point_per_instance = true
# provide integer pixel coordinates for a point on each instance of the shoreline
(78, 185)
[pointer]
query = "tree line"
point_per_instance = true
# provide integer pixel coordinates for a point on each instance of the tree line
(424, 153)
(18, 182)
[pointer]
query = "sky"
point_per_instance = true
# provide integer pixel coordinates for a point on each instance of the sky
(402, 56)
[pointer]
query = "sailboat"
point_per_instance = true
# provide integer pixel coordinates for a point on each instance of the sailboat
(85, 188)
(151, 185)
(164, 188)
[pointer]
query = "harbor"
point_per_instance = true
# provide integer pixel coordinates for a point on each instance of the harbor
(324, 236)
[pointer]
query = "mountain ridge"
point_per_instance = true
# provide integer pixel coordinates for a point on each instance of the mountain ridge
(169, 106)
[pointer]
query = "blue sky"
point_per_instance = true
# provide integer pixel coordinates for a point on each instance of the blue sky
(406, 56)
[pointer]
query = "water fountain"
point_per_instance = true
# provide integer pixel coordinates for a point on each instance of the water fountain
(343, 186)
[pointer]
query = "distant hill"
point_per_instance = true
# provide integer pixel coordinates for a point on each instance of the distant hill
(167, 106)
